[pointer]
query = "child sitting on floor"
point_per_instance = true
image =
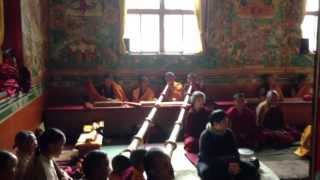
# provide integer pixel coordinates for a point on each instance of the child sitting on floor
(42, 166)
(219, 158)
(136, 159)
(121, 168)
(25, 146)
(158, 166)
(8, 165)
(96, 166)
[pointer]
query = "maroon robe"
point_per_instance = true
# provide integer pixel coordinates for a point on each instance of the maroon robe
(243, 124)
(275, 131)
(195, 123)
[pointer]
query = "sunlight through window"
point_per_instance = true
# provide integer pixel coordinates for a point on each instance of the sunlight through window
(162, 27)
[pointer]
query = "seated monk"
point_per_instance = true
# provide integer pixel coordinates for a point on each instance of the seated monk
(242, 121)
(270, 119)
(196, 121)
(143, 92)
(193, 79)
(110, 90)
(175, 91)
(269, 82)
(305, 88)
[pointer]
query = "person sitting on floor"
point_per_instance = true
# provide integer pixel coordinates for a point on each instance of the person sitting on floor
(269, 82)
(305, 88)
(42, 166)
(157, 165)
(219, 157)
(193, 79)
(95, 166)
(196, 121)
(8, 165)
(175, 91)
(270, 119)
(143, 92)
(136, 159)
(110, 90)
(121, 168)
(25, 146)
(242, 121)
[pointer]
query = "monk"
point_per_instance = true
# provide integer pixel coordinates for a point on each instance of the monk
(196, 121)
(269, 82)
(175, 91)
(305, 88)
(143, 92)
(242, 121)
(195, 80)
(270, 119)
(110, 90)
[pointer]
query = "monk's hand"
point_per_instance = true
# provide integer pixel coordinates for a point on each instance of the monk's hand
(89, 105)
(234, 168)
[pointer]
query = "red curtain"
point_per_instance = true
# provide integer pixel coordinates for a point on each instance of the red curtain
(13, 29)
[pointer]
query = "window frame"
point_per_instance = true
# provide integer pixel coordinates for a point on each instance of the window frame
(311, 13)
(161, 12)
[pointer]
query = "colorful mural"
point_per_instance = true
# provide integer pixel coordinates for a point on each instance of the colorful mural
(255, 32)
(35, 37)
(83, 32)
(242, 33)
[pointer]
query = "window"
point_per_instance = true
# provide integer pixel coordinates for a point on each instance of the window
(162, 27)
(310, 23)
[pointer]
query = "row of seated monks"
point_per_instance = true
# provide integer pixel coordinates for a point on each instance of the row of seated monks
(265, 127)
(111, 90)
(252, 129)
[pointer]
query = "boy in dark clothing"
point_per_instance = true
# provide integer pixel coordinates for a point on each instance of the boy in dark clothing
(219, 158)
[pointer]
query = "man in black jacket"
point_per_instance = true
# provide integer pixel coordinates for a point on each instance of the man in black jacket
(219, 158)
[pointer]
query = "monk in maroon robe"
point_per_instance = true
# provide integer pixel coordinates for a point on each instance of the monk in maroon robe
(270, 118)
(195, 80)
(196, 122)
(242, 121)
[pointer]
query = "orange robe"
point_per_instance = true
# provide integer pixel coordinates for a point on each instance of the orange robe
(306, 89)
(147, 95)
(119, 92)
(94, 95)
(175, 92)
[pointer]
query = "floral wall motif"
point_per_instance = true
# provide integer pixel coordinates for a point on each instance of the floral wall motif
(255, 32)
(34, 15)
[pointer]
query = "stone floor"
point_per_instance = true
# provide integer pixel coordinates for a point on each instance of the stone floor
(184, 170)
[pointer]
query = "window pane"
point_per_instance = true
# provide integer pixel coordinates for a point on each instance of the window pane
(132, 31)
(143, 4)
(191, 35)
(180, 4)
(309, 30)
(150, 33)
(173, 33)
(312, 5)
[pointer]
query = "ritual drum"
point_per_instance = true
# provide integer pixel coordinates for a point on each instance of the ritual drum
(247, 155)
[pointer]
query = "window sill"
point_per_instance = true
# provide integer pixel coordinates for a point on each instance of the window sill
(161, 54)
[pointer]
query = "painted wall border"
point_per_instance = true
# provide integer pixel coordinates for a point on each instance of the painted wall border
(12, 105)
